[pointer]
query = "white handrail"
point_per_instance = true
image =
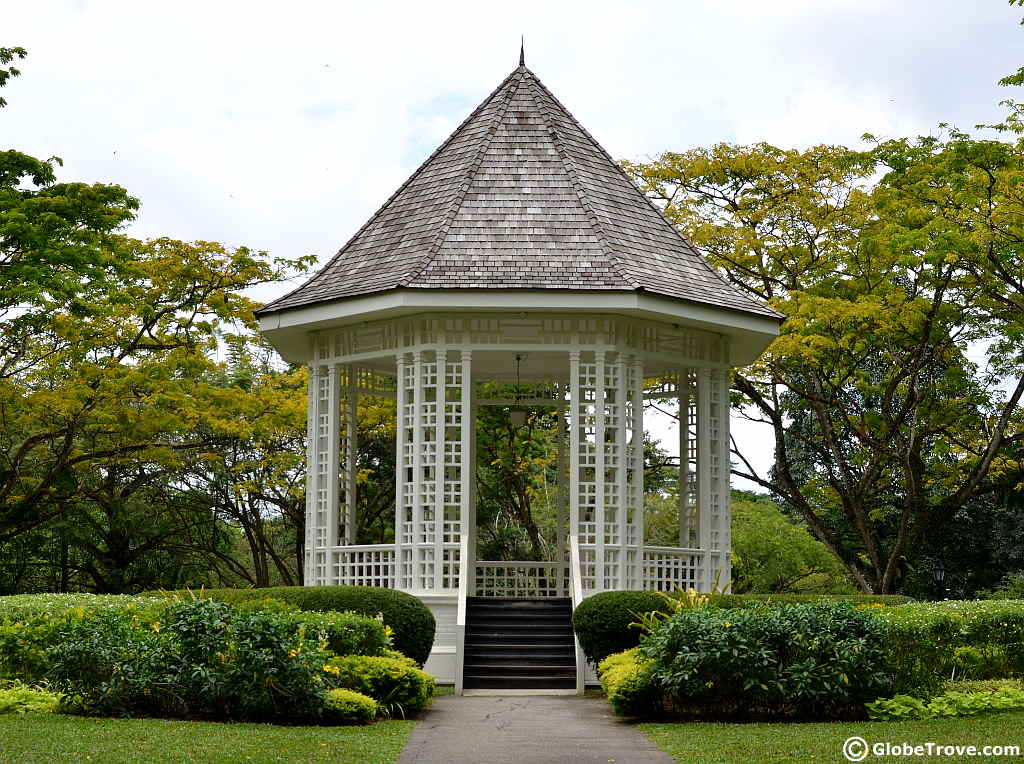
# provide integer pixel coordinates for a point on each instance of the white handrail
(465, 573)
(576, 578)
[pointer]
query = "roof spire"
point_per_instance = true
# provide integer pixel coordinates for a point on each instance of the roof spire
(522, 50)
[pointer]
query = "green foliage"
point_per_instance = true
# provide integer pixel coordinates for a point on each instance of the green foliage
(345, 633)
(804, 661)
(772, 554)
(884, 426)
(1010, 588)
(947, 704)
(627, 680)
(411, 621)
(19, 699)
(604, 622)
(206, 659)
(398, 688)
(349, 706)
(30, 625)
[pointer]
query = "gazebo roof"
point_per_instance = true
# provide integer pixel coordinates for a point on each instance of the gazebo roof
(520, 196)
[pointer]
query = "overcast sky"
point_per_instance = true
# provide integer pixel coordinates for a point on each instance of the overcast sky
(283, 126)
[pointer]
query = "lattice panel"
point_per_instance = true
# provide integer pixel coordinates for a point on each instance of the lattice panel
(718, 468)
(664, 570)
(606, 418)
(688, 474)
(322, 470)
(433, 496)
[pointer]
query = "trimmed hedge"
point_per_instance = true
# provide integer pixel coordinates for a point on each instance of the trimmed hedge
(349, 706)
(602, 621)
(346, 633)
(397, 687)
(803, 661)
(627, 680)
(411, 621)
(972, 639)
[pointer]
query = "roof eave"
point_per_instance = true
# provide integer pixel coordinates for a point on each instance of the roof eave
(288, 329)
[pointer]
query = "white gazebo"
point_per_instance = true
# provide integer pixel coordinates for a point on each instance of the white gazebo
(519, 249)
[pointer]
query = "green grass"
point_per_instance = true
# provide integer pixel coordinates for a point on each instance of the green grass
(58, 738)
(733, 743)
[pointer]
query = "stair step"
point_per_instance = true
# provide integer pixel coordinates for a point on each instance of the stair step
(521, 643)
(516, 683)
(488, 666)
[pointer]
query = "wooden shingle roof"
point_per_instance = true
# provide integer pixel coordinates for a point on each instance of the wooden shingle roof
(519, 197)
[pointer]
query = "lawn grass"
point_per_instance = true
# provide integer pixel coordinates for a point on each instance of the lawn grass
(815, 742)
(59, 738)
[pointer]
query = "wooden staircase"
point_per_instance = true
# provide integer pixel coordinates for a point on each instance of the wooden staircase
(519, 644)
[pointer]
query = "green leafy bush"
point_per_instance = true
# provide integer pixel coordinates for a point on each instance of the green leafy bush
(1010, 588)
(205, 660)
(346, 633)
(19, 699)
(411, 621)
(397, 687)
(20, 607)
(927, 641)
(947, 704)
(30, 624)
(349, 706)
(602, 621)
(627, 680)
(805, 660)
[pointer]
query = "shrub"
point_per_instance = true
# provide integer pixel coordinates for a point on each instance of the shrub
(397, 687)
(807, 660)
(20, 607)
(627, 680)
(947, 704)
(602, 621)
(19, 699)
(206, 659)
(411, 621)
(924, 639)
(30, 624)
(1010, 588)
(349, 706)
(346, 633)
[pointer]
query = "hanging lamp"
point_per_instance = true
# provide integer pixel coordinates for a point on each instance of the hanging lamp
(518, 412)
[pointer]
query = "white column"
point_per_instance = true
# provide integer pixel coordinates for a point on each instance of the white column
(599, 411)
(400, 475)
(418, 530)
(574, 442)
(685, 510)
(467, 468)
(313, 392)
(720, 531)
(704, 482)
(638, 468)
(333, 461)
(440, 399)
(622, 396)
(351, 456)
(560, 500)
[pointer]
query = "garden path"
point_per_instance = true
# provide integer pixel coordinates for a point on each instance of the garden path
(511, 729)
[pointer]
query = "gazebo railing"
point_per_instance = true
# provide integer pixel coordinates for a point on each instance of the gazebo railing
(364, 565)
(501, 578)
(665, 568)
(661, 569)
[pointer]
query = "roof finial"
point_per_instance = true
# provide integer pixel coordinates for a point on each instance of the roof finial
(522, 50)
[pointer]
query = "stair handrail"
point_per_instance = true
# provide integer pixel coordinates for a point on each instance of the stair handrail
(576, 583)
(465, 573)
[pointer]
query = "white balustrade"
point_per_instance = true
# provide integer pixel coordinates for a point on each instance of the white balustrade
(497, 578)
(364, 565)
(666, 568)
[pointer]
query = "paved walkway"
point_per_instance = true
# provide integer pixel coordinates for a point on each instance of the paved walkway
(534, 729)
